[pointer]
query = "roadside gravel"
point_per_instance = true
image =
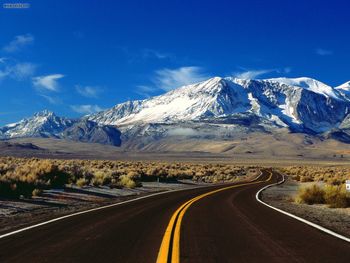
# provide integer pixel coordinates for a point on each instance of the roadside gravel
(281, 196)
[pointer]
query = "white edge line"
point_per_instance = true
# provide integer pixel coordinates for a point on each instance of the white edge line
(100, 208)
(328, 231)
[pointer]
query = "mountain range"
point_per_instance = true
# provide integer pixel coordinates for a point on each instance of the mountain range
(218, 108)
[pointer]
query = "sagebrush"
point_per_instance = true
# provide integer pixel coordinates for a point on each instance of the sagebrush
(29, 176)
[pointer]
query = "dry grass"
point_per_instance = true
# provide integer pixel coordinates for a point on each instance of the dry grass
(310, 195)
(336, 196)
(332, 195)
(29, 176)
(328, 175)
(333, 192)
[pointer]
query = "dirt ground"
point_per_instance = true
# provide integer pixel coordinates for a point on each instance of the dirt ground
(281, 196)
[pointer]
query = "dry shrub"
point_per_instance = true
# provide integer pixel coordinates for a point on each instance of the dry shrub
(82, 182)
(101, 178)
(336, 196)
(37, 192)
(305, 179)
(21, 176)
(330, 175)
(310, 195)
(126, 181)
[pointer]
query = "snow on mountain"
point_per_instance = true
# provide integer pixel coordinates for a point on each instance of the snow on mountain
(308, 84)
(46, 124)
(344, 87)
(220, 106)
(214, 97)
(42, 124)
(299, 103)
(344, 90)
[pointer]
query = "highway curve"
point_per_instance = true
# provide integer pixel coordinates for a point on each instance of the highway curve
(226, 226)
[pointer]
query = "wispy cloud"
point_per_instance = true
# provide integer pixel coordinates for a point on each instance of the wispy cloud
(323, 52)
(88, 91)
(145, 91)
(48, 82)
(141, 55)
(18, 43)
(50, 99)
(151, 53)
(23, 70)
(16, 70)
(3, 60)
(86, 109)
(168, 79)
(253, 74)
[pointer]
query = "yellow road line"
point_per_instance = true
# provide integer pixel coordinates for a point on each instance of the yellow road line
(176, 219)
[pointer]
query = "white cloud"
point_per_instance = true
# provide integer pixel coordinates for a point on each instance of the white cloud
(88, 91)
(323, 52)
(48, 82)
(18, 43)
(168, 79)
(86, 109)
(252, 74)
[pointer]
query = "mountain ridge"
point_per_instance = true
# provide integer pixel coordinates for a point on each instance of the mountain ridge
(214, 108)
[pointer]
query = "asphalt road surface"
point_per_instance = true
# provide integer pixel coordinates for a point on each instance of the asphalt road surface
(227, 226)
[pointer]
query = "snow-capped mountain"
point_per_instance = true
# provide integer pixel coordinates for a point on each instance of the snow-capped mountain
(218, 108)
(214, 97)
(301, 104)
(46, 124)
(42, 124)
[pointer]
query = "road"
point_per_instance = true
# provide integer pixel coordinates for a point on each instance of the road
(226, 226)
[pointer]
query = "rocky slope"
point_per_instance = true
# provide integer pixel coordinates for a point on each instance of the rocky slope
(89, 131)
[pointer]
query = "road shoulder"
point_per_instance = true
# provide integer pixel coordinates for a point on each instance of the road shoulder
(281, 196)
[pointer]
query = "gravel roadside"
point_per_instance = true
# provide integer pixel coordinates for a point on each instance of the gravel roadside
(282, 196)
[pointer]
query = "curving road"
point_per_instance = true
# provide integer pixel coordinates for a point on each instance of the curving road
(226, 226)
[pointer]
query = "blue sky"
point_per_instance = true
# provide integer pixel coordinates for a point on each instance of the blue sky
(77, 57)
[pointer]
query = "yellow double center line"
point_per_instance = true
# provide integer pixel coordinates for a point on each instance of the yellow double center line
(170, 248)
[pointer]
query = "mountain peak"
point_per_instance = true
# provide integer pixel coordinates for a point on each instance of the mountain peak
(210, 85)
(44, 113)
(345, 86)
(310, 84)
(42, 124)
